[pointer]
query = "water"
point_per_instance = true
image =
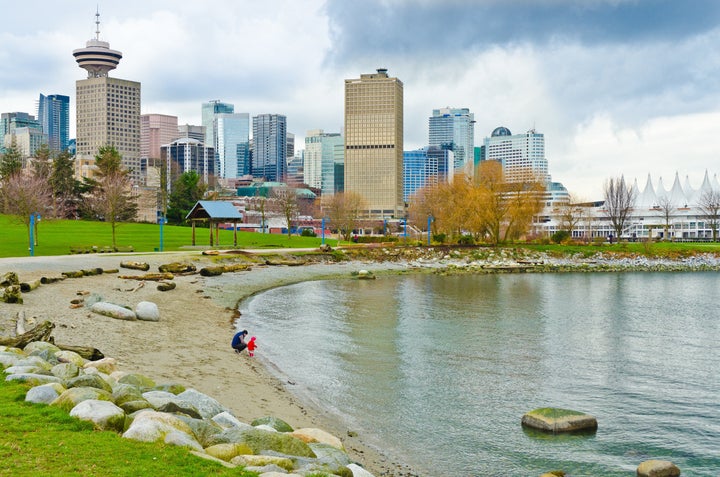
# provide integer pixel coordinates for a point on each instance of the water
(439, 370)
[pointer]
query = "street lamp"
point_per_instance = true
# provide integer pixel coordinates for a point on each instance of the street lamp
(34, 219)
(322, 225)
(162, 220)
(430, 221)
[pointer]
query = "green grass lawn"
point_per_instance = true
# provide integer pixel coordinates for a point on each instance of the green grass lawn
(37, 440)
(57, 237)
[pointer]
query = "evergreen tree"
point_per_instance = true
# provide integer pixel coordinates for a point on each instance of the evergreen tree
(11, 162)
(109, 161)
(186, 191)
(65, 188)
(42, 163)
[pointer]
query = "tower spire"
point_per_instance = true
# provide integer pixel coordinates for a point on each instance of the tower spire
(97, 58)
(97, 23)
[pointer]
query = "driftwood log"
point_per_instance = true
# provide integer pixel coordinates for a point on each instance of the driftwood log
(135, 265)
(149, 276)
(29, 286)
(166, 286)
(43, 332)
(220, 269)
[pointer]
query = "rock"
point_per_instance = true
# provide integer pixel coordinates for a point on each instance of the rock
(147, 311)
(11, 294)
(277, 424)
(358, 471)
(554, 473)
(259, 441)
(26, 370)
(657, 468)
(173, 388)
(317, 435)
(329, 456)
(104, 365)
(205, 456)
(159, 398)
(114, 311)
(263, 460)
(551, 419)
(88, 381)
(9, 358)
(33, 379)
(45, 393)
(65, 370)
(131, 407)
(166, 286)
(9, 278)
(153, 426)
(123, 393)
(139, 380)
(74, 396)
(175, 408)
(206, 406)
(226, 420)
(228, 451)
(135, 265)
(104, 415)
(40, 346)
(203, 430)
(70, 357)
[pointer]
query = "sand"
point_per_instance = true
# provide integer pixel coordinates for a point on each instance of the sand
(190, 344)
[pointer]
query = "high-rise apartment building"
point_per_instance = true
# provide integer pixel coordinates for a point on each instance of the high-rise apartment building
(522, 155)
(184, 155)
(193, 132)
(319, 167)
(209, 110)
(269, 156)
(108, 110)
(374, 142)
(54, 118)
(232, 144)
(156, 130)
(454, 129)
(425, 167)
(11, 122)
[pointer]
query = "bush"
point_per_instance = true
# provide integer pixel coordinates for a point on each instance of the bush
(439, 238)
(466, 240)
(560, 236)
(308, 233)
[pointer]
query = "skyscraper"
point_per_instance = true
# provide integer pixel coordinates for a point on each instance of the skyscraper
(108, 109)
(454, 129)
(319, 167)
(209, 110)
(424, 167)
(54, 118)
(232, 150)
(184, 155)
(522, 155)
(10, 123)
(156, 130)
(374, 142)
(269, 157)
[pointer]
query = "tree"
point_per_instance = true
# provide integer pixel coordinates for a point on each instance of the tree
(185, 193)
(667, 209)
(619, 201)
(286, 201)
(112, 201)
(570, 214)
(11, 162)
(23, 195)
(65, 188)
(709, 205)
(109, 161)
(42, 163)
(344, 210)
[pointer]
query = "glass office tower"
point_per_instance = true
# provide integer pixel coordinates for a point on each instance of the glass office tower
(232, 151)
(54, 117)
(269, 156)
(454, 129)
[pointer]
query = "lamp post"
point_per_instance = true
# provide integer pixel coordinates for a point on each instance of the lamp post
(161, 221)
(322, 225)
(430, 221)
(405, 228)
(32, 237)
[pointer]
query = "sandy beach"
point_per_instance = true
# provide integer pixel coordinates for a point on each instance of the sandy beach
(190, 344)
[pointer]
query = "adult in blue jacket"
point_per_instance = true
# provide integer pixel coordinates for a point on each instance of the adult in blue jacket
(238, 341)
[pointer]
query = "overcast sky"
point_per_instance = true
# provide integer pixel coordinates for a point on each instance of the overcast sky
(617, 86)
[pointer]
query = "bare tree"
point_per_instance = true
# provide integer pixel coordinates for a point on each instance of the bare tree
(344, 210)
(286, 202)
(113, 202)
(619, 201)
(667, 210)
(709, 205)
(23, 195)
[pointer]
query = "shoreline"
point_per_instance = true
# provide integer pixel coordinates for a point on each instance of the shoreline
(198, 318)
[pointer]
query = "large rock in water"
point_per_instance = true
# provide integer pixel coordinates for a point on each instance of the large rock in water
(657, 468)
(551, 419)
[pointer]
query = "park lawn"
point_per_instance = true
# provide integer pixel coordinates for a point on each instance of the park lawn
(58, 237)
(37, 439)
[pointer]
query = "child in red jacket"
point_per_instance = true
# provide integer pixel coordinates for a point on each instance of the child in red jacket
(251, 345)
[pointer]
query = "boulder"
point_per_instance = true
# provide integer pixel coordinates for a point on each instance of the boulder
(174, 388)
(131, 407)
(9, 358)
(104, 415)
(552, 419)
(105, 365)
(159, 398)
(153, 426)
(64, 356)
(657, 468)
(34, 361)
(227, 451)
(147, 311)
(27, 369)
(123, 393)
(139, 380)
(205, 456)
(309, 434)
(113, 311)
(226, 420)
(206, 406)
(88, 381)
(40, 346)
(33, 379)
(250, 460)
(329, 457)
(277, 424)
(65, 370)
(358, 471)
(45, 393)
(74, 396)
(179, 408)
(259, 440)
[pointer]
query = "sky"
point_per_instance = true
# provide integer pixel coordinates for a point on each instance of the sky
(618, 87)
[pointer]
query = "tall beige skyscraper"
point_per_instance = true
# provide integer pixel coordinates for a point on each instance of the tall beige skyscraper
(374, 142)
(108, 109)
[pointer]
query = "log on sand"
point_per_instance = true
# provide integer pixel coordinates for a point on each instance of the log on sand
(43, 332)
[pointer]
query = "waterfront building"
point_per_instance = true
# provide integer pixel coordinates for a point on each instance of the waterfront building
(454, 129)
(374, 142)
(186, 154)
(320, 157)
(107, 110)
(156, 130)
(232, 144)
(428, 166)
(522, 155)
(54, 118)
(269, 156)
(209, 110)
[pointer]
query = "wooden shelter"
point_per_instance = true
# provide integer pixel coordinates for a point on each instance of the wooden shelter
(214, 212)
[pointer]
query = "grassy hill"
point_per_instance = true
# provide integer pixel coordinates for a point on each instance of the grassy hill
(58, 237)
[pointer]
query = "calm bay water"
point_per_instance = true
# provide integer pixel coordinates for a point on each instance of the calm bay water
(439, 370)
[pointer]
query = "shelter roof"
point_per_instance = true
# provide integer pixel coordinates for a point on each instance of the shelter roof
(214, 210)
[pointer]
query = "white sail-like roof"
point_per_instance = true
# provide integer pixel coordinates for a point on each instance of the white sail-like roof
(677, 196)
(647, 199)
(716, 183)
(705, 188)
(660, 192)
(635, 190)
(690, 192)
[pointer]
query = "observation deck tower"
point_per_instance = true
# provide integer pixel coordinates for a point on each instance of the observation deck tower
(97, 58)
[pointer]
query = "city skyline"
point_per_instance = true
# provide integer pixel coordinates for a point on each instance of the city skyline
(617, 87)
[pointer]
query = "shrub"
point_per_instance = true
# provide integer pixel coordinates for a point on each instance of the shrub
(439, 238)
(308, 233)
(466, 240)
(560, 236)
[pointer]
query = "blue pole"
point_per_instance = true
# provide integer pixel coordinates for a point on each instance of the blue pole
(405, 227)
(323, 231)
(162, 222)
(384, 226)
(429, 221)
(32, 238)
